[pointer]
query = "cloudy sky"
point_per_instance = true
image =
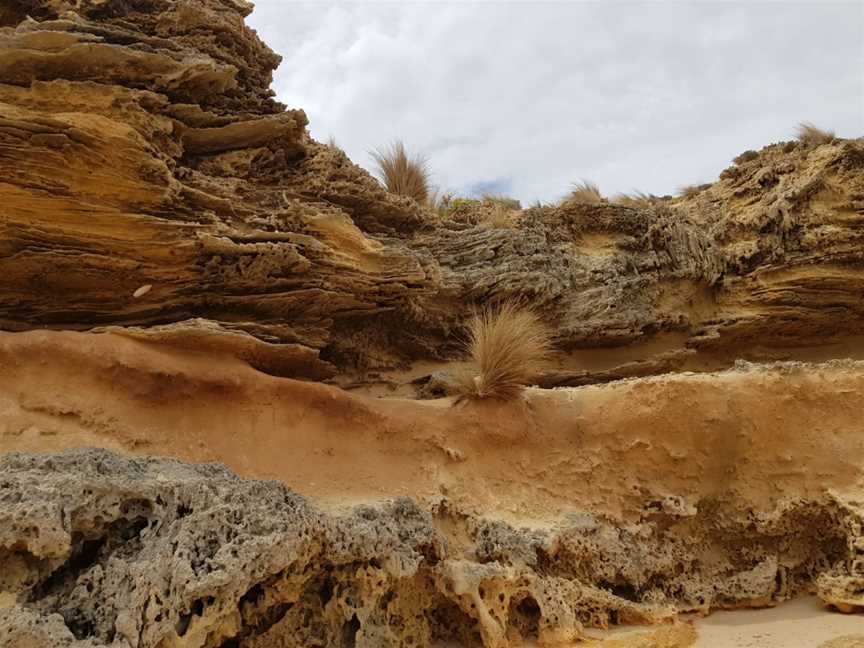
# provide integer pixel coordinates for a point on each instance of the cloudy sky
(524, 98)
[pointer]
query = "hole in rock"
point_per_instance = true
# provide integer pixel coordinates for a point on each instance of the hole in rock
(271, 617)
(120, 8)
(84, 554)
(525, 616)
(326, 591)
(625, 591)
(349, 632)
(11, 16)
(197, 609)
(449, 623)
(253, 595)
(14, 12)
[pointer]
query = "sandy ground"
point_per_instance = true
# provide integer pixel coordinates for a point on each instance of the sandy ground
(802, 623)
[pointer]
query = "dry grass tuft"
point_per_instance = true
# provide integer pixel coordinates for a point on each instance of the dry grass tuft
(746, 156)
(402, 174)
(501, 217)
(510, 346)
(809, 135)
(691, 191)
(637, 199)
(439, 201)
(503, 201)
(502, 212)
(584, 192)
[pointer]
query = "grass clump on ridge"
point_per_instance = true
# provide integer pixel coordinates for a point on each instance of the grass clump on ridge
(636, 199)
(402, 174)
(810, 135)
(502, 211)
(502, 200)
(500, 217)
(510, 346)
(439, 201)
(691, 191)
(584, 192)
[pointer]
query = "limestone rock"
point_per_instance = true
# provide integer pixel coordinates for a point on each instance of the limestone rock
(97, 550)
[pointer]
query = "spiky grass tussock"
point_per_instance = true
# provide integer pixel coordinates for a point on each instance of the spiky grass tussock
(502, 200)
(810, 135)
(584, 192)
(691, 191)
(510, 347)
(636, 199)
(439, 201)
(402, 174)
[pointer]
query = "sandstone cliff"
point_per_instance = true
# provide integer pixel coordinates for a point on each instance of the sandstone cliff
(152, 183)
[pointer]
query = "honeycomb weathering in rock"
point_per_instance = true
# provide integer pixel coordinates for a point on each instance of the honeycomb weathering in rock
(155, 552)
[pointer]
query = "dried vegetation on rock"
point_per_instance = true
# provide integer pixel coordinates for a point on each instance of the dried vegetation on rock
(510, 347)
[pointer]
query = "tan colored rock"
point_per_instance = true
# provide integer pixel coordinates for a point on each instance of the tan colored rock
(143, 147)
(629, 502)
(849, 641)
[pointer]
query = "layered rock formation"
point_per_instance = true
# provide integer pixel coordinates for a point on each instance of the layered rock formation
(151, 183)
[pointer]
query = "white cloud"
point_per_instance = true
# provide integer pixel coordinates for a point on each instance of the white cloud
(649, 96)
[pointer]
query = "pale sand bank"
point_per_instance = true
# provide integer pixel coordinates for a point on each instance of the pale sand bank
(802, 623)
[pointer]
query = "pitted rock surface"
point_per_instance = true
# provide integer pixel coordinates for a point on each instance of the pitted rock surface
(99, 550)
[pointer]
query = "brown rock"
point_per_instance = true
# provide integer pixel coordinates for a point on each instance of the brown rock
(141, 146)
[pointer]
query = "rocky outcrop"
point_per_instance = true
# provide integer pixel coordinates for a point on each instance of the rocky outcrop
(150, 179)
(153, 552)
(152, 183)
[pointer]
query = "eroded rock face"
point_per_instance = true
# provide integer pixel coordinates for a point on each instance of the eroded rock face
(140, 147)
(152, 184)
(97, 550)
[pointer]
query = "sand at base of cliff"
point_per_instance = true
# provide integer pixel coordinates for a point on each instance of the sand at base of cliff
(802, 623)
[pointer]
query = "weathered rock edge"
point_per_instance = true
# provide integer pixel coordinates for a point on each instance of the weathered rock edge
(152, 185)
(100, 550)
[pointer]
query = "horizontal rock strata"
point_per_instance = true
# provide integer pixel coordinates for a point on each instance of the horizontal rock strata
(150, 181)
